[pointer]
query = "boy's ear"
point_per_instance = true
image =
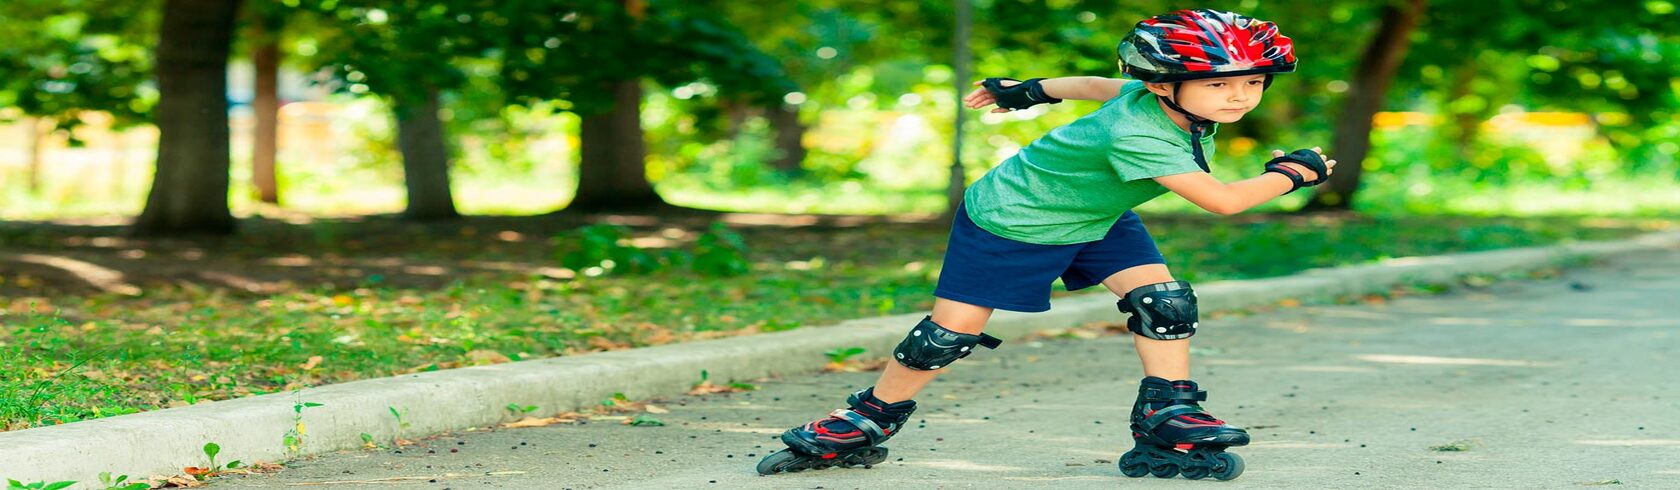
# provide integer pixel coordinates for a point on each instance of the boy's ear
(1161, 89)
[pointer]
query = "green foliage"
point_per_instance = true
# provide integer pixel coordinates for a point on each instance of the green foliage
(645, 420)
(398, 50)
(44, 385)
(62, 57)
(842, 354)
(40, 485)
(212, 449)
(293, 439)
(118, 483)
(603, 246)
(605, 249)
(402, 423)
(720, 252)
(572, 50)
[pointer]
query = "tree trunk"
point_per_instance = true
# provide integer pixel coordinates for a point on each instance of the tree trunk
(425, 157)
(1466, 125)
(32, 168)
(738, 113)
(1368, 90)
(959, 44)
(790, 138)
(265, 106)
(612, 173)
(190, 188)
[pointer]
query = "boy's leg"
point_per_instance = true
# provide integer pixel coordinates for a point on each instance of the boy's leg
(1173, 433)
(1166, 359)
(899, 383)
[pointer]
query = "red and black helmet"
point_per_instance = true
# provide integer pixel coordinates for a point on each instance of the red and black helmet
(1194, 44)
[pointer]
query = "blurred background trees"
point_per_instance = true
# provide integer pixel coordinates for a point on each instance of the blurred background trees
(213, 109)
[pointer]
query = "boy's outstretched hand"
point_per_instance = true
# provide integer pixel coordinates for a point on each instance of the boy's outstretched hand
(1307, 174)
(981, 97)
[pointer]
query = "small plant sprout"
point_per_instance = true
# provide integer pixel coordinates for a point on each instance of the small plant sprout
(840, 355)
(519, 411)
(402, 424)
(117, 483)
(211, 449)
(367, 441)
(293, 440)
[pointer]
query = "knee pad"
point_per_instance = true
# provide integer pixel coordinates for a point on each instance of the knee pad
(930, 346)
(1164, 311)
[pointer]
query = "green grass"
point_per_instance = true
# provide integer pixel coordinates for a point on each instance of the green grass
(377, 297)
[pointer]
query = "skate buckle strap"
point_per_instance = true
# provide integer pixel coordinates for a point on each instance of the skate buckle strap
(869, 427)
(1163, 415)
(1168, 394)
(990, 342)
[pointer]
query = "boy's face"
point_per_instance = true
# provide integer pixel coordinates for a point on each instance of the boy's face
(1222, 100)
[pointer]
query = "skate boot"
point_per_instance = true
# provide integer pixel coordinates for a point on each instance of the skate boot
(1174, 435)
(848, 437)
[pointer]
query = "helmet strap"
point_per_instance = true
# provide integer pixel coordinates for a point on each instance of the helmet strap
(1198, 125)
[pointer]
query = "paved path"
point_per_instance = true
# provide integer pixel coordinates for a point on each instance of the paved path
(1559, 383)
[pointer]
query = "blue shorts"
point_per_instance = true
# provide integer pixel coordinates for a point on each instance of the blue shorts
(983, 269)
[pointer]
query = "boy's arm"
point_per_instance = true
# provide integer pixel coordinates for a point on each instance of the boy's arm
(1083, 88)
(1076, 88)
(1201, 189)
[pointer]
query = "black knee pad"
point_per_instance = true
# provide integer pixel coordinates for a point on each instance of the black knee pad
(1164, 311)
(930, 346)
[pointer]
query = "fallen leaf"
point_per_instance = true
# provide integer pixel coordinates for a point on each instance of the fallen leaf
(707, 388)
(179, 481)
(1289, 303)
(531, 422)
(651, 408)
(606, 344)
(311, 363)
(483, 356)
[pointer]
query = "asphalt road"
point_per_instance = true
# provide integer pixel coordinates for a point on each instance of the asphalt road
(1557, 383)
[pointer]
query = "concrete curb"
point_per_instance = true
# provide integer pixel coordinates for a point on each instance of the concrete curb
(251, 429)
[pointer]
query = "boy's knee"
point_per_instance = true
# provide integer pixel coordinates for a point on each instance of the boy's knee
(1163, 311)
(929, 346)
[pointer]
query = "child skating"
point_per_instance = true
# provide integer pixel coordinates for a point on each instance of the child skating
(1061, 207)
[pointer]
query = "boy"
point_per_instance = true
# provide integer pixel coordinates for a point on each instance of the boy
(1061, 207)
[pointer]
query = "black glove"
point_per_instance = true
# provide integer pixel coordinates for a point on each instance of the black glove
(1308, 158)
(1019, 96)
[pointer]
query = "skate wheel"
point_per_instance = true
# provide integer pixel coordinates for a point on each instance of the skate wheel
(1227, 466)
(790, 461)
(1133, 465)
(784, 461)
(866, 457)
(1165, 471)
(1196, 472)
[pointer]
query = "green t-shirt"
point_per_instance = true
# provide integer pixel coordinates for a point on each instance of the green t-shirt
(1072, 184)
